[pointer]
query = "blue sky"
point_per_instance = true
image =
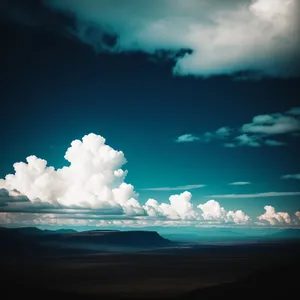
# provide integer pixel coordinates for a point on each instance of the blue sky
(62, 84)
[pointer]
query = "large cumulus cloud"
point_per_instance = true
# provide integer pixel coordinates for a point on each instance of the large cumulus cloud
(222, 37)
(94, 179)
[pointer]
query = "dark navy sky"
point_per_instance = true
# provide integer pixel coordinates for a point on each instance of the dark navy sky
(55, 89)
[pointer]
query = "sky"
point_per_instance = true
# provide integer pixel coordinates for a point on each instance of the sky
(182, 113)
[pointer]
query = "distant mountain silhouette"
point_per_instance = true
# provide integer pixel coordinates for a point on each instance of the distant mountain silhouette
(113, 238)
(22, 241)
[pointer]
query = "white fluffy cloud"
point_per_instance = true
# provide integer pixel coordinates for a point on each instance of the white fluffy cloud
(297, 214)
(213, 31)
(213, 211)
(274, 217)
(93, 180)
(238, 217)
(180, 207)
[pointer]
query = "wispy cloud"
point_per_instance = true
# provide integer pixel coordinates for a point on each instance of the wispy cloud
(258, 195)
(221, 133)
(240, 183)
(274, 143)
(251, 140)
(246, 140)
(291, 176)
(229, 145)
(176, 188)
(187, 138)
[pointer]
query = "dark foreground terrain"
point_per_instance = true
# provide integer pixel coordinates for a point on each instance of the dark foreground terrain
(116, 265)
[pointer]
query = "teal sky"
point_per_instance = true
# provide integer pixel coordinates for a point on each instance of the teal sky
(57, 88)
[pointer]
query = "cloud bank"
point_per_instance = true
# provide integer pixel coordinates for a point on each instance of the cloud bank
(211, 32)
(92, 190)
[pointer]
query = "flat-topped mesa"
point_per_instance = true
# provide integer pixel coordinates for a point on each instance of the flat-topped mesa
(114, 237)
(66, 237)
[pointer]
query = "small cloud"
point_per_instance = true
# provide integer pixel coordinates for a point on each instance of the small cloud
(180, 207)
(223, 131)
(272, 124)
(262, 127)
(230, 145)
(186, 138)
(273, 217)
(274, 143)
(177, 188)
(297, 214)
(291, 176)
(246, 140)
(258, 195)
(240, 183)
(212, 211)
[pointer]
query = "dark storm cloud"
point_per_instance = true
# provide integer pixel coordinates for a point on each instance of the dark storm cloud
(224, 37)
